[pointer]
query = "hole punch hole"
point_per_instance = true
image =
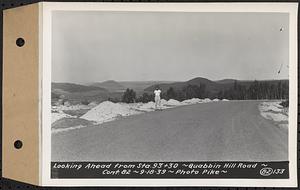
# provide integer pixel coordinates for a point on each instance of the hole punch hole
(20, 42)
(18, 144)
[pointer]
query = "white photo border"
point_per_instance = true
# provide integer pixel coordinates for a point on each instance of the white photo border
(46, 9)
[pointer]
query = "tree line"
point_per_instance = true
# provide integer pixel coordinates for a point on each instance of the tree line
(254, 91)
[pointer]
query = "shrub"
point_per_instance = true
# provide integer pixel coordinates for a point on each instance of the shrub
(54, 96)
(171, 94)
(85, 102)
(114, 100)
(285, 103)
(129, 96)
(146, 98)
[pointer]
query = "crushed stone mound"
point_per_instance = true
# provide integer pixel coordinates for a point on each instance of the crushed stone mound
(277, 117)
(71, 107)
(215, 100)
(206, 100)
(192, 101)
(225, 100)
(93, 104)
(275, 112)
(271, 106)
(173, 102)
(107, 111)
(150, 106)
(163, 102)
(55, 116)
(130, 105)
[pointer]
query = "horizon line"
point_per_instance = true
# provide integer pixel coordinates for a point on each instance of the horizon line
(243, 80)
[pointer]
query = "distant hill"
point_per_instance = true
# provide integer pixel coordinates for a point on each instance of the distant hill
(139, 86)
(212, 87)
(76, 93)
(109, 85)
(71, 87)
(227, 88)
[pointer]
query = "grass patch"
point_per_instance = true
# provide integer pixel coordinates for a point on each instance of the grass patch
(77, 113)
(70, 122)
(285, 103)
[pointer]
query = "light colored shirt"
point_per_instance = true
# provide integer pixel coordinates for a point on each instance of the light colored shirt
(157, 92)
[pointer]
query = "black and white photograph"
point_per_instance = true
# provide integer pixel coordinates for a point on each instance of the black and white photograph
(170, 86)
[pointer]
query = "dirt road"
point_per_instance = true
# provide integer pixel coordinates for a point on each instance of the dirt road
(216, 131)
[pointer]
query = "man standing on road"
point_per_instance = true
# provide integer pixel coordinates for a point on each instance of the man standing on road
(157, 92)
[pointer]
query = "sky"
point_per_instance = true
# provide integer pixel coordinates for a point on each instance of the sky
(97, 46)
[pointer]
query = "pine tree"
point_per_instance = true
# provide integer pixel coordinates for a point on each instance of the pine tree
(129, 96)
(171, 94)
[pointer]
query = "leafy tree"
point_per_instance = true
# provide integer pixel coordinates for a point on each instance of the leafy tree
(256, 90)
(146, 98)
(191, 91)
(180, 95)
(85, 102)
(194, 91)
(202, 92)
(285, 91)
(220, 94)
(129, 96)
(171, 94)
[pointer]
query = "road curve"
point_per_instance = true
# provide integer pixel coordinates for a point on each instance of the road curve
(216, 131)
